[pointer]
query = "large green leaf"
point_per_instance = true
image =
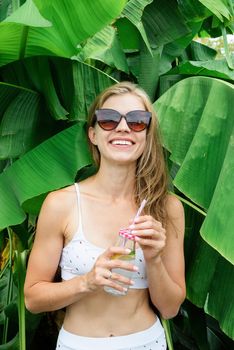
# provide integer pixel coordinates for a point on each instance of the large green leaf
(212, 68)
(88, 83)
(196, 119)
(223, 9)
(193, 10)
(134, 11)
(51, 165)
(28, 15)
(222, 288)
(40, 72)
(201, 52)
(19, 121)
(208, 276)
(105, 46)
(5, 9)
(18, 39)
(164, 23)
(66, 95)
(13, 344)
(149, 64)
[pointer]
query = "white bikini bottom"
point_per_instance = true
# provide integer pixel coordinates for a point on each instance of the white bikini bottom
(152, 338)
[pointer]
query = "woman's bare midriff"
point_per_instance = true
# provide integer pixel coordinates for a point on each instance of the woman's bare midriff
(105, 315)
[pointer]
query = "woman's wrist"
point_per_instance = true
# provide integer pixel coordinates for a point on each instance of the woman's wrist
(154, 261)
(82, 286)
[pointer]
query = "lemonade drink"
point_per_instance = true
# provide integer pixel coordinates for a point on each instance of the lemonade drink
(126, 240)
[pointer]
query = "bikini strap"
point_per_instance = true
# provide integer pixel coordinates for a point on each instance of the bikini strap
(79, 206)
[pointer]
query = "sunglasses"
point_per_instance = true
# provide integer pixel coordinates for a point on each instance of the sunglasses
(108, 119)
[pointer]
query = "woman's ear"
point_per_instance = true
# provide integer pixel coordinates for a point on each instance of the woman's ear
(92, 135)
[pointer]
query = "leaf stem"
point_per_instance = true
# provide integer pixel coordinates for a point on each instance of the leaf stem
(226, 48)
(9, 288)
(21, 268)
(23, 42)
(167, 329)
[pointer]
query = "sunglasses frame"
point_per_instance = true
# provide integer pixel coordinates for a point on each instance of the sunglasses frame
(148, 116)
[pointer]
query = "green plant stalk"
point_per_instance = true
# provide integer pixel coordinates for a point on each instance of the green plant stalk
(226, 48)
(23, 42)
(188, 203)
(167, 329)
(9, 288)
(21, 268)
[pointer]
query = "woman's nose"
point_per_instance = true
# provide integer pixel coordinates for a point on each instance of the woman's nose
(123, 126)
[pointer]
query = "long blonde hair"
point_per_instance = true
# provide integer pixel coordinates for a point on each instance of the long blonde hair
(151, 174)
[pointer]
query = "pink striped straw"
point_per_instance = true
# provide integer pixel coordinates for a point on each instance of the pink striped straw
(143, 203)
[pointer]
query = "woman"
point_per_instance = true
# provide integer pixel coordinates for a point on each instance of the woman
(78, 227)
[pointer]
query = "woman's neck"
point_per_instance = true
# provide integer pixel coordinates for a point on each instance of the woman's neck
(116, 181)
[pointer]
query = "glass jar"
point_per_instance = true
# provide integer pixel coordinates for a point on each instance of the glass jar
(125, 240)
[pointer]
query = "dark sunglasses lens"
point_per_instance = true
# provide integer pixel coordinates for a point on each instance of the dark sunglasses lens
(138, 120)
(107, 119)
(107, 124)
(137, 126)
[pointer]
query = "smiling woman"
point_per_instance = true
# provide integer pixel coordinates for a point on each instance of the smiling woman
(151, 175)
(78, 226)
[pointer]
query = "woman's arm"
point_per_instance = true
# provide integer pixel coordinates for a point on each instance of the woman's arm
(41, 293)
(163, 252)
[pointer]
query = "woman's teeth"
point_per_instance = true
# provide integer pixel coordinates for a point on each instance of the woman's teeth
(121, 142)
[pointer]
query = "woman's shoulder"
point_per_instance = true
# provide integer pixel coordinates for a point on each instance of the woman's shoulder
(174, 207)
(60, 199)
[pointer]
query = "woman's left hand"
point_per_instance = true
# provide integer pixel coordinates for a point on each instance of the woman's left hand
(150, 235)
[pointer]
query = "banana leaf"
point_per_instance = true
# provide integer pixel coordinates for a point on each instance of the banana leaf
(164, 23)
(193, 10)
(197, 126)
(19, 121)
(20, 38)
(133, 11)
(4, 9)
(129, 35)
(223, 9)
(201, 52)
(51, 165)
(28, 15)
(105, 46)
(13, 344)
(149, 64)
(214, 68)
(26, 112)
(208, 275)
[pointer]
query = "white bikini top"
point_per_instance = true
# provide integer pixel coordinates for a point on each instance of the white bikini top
(79, 256)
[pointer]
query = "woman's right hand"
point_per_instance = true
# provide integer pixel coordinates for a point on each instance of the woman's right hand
(101, 274)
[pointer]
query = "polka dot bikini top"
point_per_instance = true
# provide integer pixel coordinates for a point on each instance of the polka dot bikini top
(79, 256)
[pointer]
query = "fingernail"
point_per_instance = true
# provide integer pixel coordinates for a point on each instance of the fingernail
(135, 268)
(132, 282)
(131, 226)
(125, 289)
(128, 250)
(133, 232)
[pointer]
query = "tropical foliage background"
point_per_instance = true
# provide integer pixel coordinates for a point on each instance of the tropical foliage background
(55, 57)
